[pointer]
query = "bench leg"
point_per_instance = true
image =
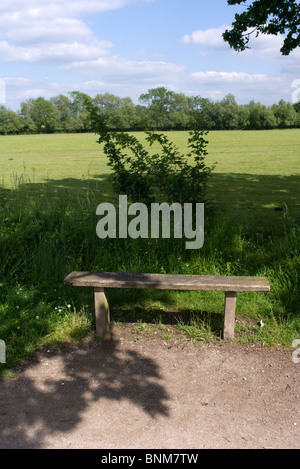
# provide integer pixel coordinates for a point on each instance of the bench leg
(102, 314)
(229, 315)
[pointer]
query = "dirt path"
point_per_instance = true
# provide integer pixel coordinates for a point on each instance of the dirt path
(120, 393)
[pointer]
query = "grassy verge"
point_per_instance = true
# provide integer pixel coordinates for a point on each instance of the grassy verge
(48, 229)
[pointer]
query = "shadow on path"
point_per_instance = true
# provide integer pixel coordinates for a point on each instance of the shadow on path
(38, 407)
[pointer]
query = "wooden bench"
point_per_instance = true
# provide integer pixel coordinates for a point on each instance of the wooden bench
(101, 281)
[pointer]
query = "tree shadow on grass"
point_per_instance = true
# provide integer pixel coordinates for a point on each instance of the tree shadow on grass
(203, 320)
(54, 402)
(251, 195)
(255, 198)
(68, 189)
(161, 307)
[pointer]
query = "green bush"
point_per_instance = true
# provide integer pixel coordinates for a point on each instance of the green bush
(144, 176)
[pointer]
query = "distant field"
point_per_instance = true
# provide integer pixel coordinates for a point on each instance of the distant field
(57, 156)
(256, 172)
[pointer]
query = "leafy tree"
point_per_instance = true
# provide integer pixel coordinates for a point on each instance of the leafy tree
(158, 102)
(9, 121)
(296, 106)
(63, 104)
(42, 114)
(266, 17)
(78, 111)
(24, 113)
(244, 115)
(161, 109)
(120, 113)
(203, 113)
(285, 114)
(179, 112)
(141, 117)
(166, 109)
(229, 112)
(260, 116)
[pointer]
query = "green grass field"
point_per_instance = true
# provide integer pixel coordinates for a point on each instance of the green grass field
(50, 187)
(257, 171)
(270, 152)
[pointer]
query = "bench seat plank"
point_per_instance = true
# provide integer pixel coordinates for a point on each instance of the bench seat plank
(167, 281)
(230, 285)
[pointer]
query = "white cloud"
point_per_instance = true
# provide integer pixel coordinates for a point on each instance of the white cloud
(18, 81)
(20, 89)
(55, 8)
(263, 47)
(211, 38)
(267, 48)
(54, 32)
(228, 77)
(116, 68)
(62, 29)
(40, 31)
(291, 63)
(42, 21)
(35, 93)
(244, 86)
(46, 53)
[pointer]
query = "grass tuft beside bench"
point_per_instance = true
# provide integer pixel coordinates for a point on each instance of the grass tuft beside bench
(101, 281)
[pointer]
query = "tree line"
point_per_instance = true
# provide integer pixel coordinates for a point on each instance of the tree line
(159, 109)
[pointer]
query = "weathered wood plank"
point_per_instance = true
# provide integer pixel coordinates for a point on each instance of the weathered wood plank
(229, 315)
(102, 313)
(167, 281)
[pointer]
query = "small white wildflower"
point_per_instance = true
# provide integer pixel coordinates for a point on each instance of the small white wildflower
(59, 310)
(18, 307)
(37, 317)
(69, 306)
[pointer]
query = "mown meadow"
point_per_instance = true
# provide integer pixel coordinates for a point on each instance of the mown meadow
(50, 186)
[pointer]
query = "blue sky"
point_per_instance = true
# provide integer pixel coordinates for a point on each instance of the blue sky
(125, 47)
